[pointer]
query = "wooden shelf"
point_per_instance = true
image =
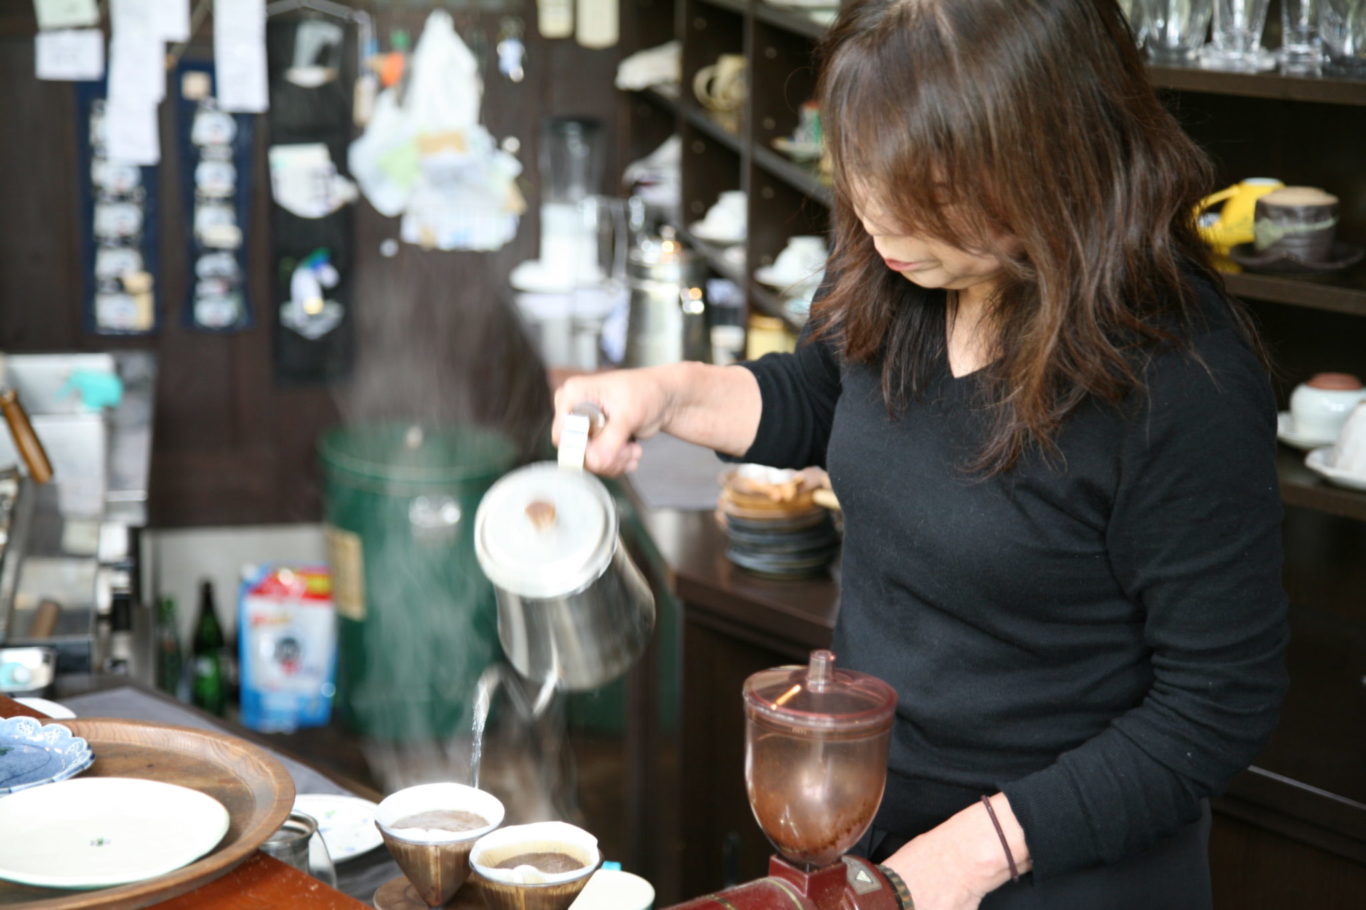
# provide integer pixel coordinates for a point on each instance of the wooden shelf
(1318, 89)
(665, 96)
(1303, 488)
(790, 20)
(1337, 293)
(802, 178)
(772, 305)
(713, 254)
(704, 122)
(738, 7)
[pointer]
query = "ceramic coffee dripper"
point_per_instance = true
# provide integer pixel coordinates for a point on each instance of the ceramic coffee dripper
(526, 887)
(435, 861)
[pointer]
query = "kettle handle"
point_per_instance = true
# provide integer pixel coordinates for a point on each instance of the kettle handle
(584, 421)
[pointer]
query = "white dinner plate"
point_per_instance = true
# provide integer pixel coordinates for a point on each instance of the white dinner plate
(93, 832)
(347, 823)
(1320, 461)
(1285, 432)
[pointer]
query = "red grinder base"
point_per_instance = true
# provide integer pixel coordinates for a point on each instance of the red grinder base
(850, 884)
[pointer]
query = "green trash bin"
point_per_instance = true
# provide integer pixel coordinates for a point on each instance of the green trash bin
(417, 621)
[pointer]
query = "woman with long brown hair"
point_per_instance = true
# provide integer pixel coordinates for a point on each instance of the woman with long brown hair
(1053, 439)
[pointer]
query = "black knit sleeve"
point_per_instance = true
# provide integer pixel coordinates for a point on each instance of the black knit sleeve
(799, 391)
(1195, 538)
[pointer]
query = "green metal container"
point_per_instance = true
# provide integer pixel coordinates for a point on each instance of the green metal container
(416, 616)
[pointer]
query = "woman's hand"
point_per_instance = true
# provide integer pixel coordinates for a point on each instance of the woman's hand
(953, 866)
(712, 406)
(637, 404)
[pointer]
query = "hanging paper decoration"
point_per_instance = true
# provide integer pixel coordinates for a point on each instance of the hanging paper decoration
(312, 235)
(215, 168)
(425, 155)
(118, 228)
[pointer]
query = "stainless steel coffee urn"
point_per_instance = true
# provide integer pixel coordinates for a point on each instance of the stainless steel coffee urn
(667, 320)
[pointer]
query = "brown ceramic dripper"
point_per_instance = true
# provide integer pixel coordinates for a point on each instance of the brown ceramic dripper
(512, 872)
(435, 859)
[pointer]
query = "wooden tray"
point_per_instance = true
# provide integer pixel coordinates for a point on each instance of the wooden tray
(256, 789)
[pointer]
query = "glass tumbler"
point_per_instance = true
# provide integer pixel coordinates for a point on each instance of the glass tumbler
(1175, 29)
(1342, 25)
(298, 843)
(1301, 48)
(1236, 36)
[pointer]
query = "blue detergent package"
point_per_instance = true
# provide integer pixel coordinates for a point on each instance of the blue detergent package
(287, 634)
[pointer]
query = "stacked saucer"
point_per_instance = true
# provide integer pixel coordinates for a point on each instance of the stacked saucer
(775, 527)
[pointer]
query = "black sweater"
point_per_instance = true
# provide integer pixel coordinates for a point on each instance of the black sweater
(1100, 638)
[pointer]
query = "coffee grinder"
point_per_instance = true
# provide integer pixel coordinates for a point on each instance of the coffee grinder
(816, 742)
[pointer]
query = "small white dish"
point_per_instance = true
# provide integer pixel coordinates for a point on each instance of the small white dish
(100, 831)
(1285, 432)
(50, 708)
(1320, 461)
(347, 823)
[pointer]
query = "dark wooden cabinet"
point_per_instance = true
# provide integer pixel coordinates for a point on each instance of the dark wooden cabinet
(1292, 830)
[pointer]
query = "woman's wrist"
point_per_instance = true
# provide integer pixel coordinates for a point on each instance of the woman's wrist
(991, 846)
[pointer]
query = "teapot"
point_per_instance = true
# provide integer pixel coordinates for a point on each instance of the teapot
(1233, 225)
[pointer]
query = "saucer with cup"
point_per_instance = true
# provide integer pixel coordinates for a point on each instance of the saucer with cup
(1318, 409)
(801, 262)
(1344, 462)
(1295, 230)
(726, 222)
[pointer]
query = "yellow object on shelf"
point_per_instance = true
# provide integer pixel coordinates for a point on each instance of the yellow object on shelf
(1233, 225)
(768, 334)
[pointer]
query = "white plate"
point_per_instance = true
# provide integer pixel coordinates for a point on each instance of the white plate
(1285, 432)
(701, 232)
(764, 274)
(50, 708)
(98, 831)
(1320, 461)
(347, 823)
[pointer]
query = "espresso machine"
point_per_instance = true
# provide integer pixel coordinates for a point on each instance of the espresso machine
(816, 742)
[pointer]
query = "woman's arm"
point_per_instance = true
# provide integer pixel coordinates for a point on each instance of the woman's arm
(712, 406)
(954, 865)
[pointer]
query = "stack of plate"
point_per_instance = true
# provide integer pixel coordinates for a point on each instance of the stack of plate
(775, 527)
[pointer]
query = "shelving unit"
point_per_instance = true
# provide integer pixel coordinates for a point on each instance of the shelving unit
(1302, 130)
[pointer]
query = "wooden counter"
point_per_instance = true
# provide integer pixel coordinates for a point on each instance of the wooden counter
(261, 881)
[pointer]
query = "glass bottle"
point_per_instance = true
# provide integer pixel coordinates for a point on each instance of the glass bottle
(170, 665)
(208, 680)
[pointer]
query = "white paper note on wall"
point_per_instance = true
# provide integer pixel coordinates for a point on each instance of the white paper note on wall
(174, 21)
(65, 13)
(69, 55)
(136, 67)
(239, 54)
(130, 131)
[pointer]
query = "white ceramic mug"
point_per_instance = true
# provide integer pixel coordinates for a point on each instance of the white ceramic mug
(1319, 407)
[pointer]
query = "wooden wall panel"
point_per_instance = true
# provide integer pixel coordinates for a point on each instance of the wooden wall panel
(232, 447)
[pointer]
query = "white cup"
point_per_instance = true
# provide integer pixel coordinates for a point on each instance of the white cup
(726, 218)
(1319, 407)
(1349, 452)
(613, 889)
(802, 259)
